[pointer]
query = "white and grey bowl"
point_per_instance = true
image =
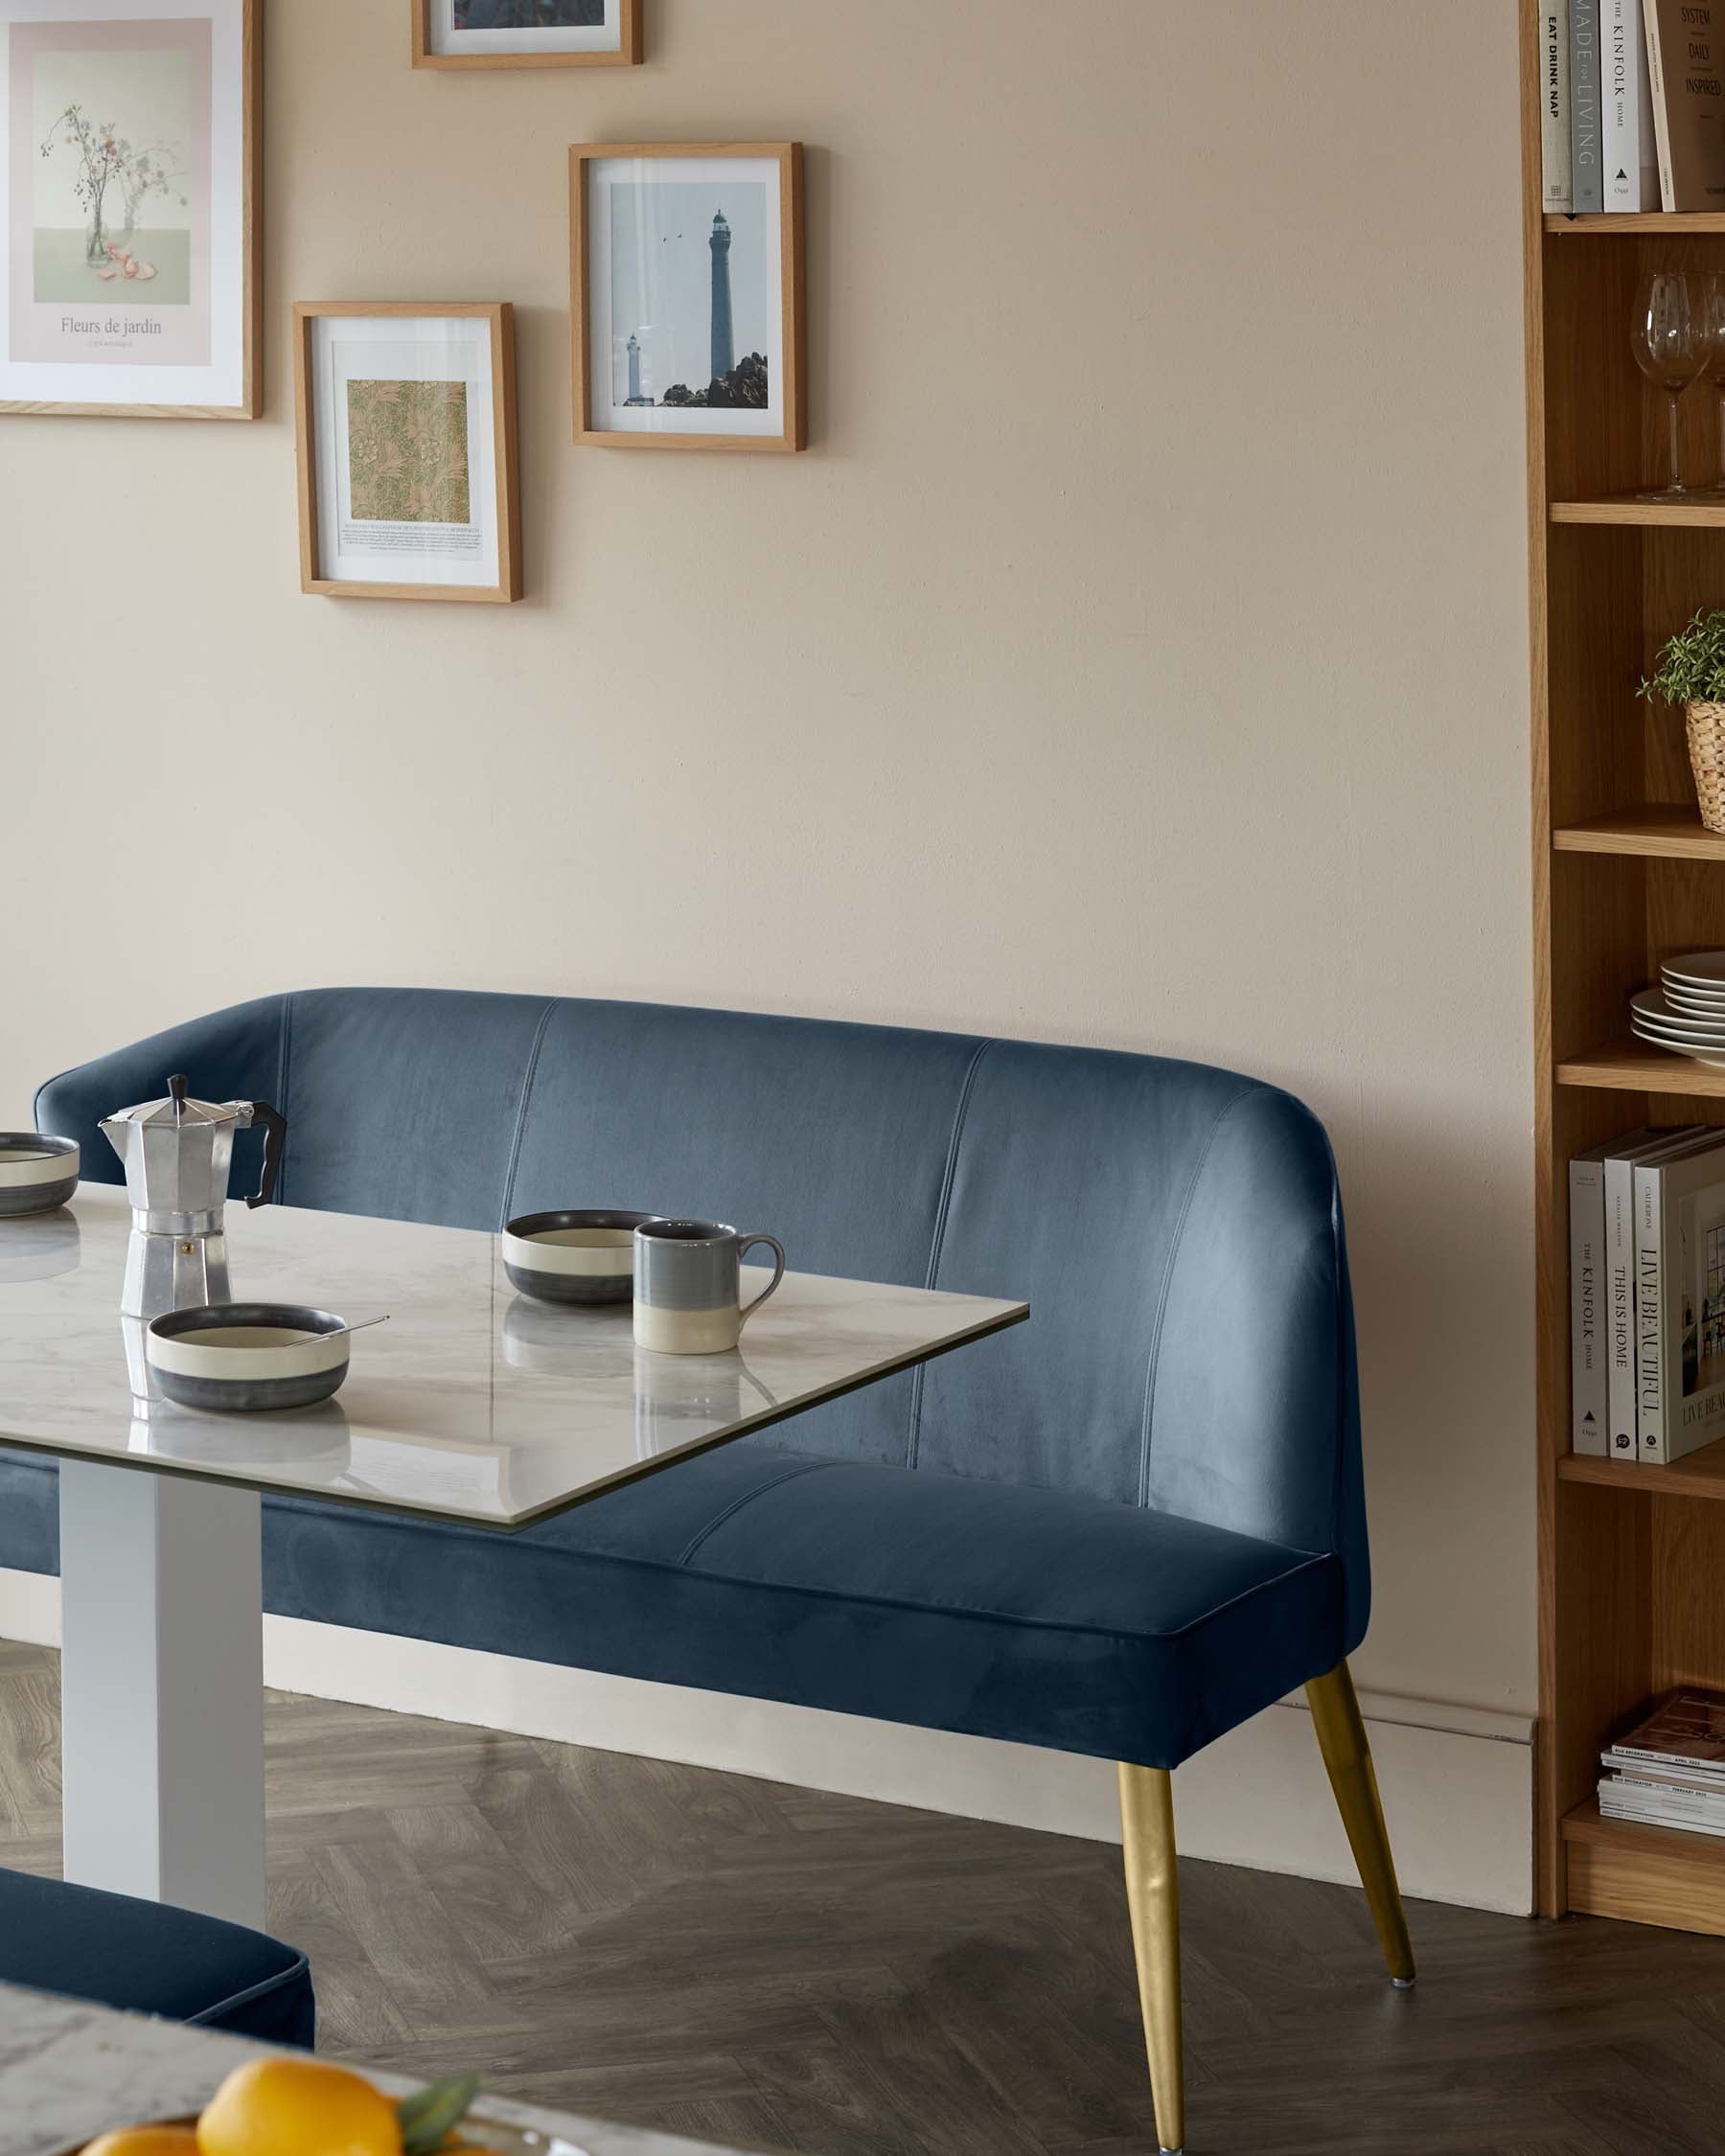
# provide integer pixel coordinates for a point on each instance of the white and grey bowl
(572, 1257)
(247, 1358)
(37, 1172)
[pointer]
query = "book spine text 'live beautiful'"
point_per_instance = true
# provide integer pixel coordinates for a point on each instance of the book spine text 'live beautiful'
(1649, 1318)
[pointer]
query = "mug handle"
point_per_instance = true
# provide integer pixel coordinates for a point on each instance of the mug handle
(748, 1243)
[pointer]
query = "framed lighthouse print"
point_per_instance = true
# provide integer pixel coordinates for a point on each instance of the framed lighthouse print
(131, 284)
(526, 32)
(406, 417)
(686, 304)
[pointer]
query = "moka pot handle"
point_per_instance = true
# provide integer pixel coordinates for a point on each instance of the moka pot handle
(275, 1134)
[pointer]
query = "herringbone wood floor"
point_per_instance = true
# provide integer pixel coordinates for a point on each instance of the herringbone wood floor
(793, 1971)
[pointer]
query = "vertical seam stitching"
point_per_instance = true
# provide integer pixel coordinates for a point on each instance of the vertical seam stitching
(527, 1078)
(284, 1057)
(913, 1438)
(789, 1474)
(1168, 1280)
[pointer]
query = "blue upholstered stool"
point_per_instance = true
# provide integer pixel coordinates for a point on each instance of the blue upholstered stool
(1121, 1529)
(148, 1959)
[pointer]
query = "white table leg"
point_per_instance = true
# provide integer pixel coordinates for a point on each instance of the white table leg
(162, 1688)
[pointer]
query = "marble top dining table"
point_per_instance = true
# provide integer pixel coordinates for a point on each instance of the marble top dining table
(472, 1405)
(69, 2072)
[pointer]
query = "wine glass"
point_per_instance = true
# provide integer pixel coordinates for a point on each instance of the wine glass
(1671, 348)
(1713, 322)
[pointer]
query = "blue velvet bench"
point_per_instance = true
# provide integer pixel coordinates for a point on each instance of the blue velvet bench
(1121, 1530)
(148, 1958)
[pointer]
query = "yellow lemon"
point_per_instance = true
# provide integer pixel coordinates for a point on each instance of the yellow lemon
(295, 2107)
(146, 2140)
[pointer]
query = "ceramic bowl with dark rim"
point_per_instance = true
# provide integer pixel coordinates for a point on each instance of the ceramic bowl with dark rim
(572, 1257)
(247, 1358)
(37, 1172)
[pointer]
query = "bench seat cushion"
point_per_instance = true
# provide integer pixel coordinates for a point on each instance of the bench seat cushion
(1047, 1617)
(145, 1958)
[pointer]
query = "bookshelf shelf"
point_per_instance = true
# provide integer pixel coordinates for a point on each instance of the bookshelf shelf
(1701, 1475)
(1629, 1557)
(1704, 513)
(1631, 1067)
(1649, 1874)
(1654, 831)
(1670, 224)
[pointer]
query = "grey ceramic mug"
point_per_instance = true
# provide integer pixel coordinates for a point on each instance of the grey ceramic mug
(688, 1284)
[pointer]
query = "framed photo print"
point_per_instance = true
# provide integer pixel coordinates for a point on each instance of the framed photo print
(526, 32)
(686, 304)
(405, 413)
(130, 283)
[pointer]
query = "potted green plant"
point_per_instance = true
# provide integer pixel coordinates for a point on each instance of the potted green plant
(1691, 672)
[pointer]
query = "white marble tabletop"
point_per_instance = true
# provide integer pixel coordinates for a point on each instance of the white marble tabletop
(69, 2072)
(472, 1403)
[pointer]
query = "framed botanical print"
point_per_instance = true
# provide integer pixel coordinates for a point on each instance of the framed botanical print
(526, 32)
(686, 302)
(406, 418)
(130, 135)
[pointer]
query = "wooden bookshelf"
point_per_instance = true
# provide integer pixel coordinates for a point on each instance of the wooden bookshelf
(1702, 513)
(1695, 223)
(1665, 830)
(1631, 1559)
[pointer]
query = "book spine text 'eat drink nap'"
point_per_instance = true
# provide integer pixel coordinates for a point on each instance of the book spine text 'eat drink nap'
(1554, 108)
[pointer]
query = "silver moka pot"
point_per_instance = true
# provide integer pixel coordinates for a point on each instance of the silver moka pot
(177, 1152)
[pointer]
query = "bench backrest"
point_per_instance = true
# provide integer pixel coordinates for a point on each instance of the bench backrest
(1175, 1229)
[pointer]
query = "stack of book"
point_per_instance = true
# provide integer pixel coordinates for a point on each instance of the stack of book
(1648, 1294)
(1632, 104)
(1670, 1771)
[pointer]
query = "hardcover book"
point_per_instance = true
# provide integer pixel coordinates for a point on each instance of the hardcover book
(1589, 1392)
(1587, 180)
(1555, 106)
(1628, 157)
(1620, 1156)
(1680, 1304)
(1683, 55)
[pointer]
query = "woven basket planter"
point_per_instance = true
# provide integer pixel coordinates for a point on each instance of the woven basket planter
(1706, 722)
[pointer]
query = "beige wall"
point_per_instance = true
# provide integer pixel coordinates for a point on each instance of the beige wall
(1138, 657)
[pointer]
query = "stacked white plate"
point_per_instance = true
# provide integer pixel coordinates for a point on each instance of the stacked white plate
(1687, 1012)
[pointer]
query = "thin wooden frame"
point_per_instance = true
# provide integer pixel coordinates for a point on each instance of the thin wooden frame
(251, 391)
(628, 53)
(500, 315)
(788, 155)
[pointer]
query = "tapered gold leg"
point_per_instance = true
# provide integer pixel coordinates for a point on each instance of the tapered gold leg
(1346, 1755)
(1153, 1896)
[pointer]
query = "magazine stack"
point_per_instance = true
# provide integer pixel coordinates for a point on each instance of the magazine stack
(1670, 1770)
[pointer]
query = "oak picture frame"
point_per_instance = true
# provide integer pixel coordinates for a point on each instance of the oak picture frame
(789, 158)
(630, 45)
(251, 264)
(506, 448)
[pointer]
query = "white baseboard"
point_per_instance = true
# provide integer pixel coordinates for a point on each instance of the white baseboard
(1458, 1783)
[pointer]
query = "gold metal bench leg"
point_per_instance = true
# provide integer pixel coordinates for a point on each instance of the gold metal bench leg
(1347, 1755)
(1153, 1896)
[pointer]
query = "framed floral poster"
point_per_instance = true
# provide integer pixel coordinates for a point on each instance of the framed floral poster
(405, 413)
(686, 308)
(131, 284)
(526, 32)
